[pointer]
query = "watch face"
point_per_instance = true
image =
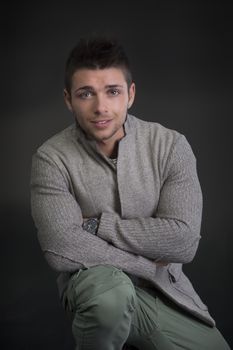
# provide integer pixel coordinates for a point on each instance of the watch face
(90, 225)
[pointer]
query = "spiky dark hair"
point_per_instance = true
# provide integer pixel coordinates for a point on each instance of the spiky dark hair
(97, 53)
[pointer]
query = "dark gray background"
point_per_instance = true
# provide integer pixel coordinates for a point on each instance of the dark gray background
(181, 54)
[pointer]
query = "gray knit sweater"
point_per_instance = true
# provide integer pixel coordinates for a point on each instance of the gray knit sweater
(149, 207)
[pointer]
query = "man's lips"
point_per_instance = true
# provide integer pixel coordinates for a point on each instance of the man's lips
(101, 123)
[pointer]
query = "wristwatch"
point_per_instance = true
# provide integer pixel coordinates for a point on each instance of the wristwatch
(91, 225)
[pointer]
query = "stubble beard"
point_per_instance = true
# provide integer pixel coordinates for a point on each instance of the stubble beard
(102, 139)
(110, 136)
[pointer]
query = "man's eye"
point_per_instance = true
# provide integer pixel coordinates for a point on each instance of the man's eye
(85, 94)
(114, 92)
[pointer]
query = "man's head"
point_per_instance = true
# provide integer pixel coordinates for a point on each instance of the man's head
(97, 53)
(99, 90)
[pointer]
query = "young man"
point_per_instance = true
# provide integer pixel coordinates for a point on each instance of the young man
(117, 204)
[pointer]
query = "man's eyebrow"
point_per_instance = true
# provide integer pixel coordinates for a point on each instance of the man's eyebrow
(110, 86)
(113, 86)
(86, 87)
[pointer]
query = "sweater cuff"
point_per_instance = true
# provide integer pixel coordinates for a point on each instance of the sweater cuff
(107, 226)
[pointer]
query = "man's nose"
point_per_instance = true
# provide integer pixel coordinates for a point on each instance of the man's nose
(100, 105)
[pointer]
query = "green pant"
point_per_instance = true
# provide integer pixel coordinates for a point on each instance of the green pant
(108, 311)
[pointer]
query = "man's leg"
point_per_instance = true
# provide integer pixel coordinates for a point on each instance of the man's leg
(102, 300)
(185, 331)
(145, 333)
(159, 324)
(109, 311)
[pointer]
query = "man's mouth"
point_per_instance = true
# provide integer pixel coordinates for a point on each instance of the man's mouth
(101, 123)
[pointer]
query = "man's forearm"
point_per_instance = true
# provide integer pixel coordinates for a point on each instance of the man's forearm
(91, 225)
(90, 250)
(158, 239)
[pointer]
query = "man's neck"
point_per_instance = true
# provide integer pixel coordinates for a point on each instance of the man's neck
(110, 146)
(108, 149)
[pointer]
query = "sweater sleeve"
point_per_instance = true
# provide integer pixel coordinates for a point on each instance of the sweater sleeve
(173, 233)
(58, 219)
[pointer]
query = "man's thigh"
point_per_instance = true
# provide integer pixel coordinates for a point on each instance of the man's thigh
(185, 331)
(158, 324)
(145, 332)
(88, 284)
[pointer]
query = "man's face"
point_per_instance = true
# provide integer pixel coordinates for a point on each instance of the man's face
(99, 100)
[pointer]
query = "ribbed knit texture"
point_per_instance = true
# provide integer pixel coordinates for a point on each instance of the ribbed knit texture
(149, 205)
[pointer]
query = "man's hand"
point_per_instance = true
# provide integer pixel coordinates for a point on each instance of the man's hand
(161, 263)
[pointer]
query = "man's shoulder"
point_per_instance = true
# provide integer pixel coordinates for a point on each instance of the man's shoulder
(59, 142)
(154, 130)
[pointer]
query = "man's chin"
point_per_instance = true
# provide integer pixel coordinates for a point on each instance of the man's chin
(102, 138)
(102, 135)
(105, 136)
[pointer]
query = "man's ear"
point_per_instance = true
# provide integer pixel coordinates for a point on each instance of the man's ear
(67, 99)
(132, 91)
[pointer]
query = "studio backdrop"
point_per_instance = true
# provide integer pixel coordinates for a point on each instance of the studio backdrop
(181, 57)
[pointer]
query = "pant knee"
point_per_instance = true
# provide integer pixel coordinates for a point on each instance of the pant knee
(104, 293)
(113, 306)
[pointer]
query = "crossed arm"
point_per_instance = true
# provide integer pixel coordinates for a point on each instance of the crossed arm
(132, 245)
(173, 233)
